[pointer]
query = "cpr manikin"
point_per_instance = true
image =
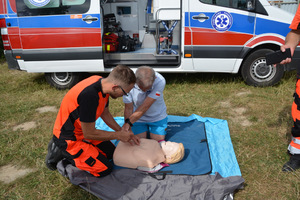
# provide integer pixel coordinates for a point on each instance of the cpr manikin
(149, 156)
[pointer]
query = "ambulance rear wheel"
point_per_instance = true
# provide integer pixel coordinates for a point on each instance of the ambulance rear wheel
(62, 80)
(256, 72)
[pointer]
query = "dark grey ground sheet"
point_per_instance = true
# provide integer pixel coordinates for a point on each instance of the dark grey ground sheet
(130, 184)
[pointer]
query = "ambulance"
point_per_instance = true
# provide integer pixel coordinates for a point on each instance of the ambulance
(64, 38)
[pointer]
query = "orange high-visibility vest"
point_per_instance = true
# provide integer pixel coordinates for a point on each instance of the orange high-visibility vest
(295, 23)
(67, 125)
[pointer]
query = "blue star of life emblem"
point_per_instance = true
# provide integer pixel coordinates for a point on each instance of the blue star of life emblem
(221, 21)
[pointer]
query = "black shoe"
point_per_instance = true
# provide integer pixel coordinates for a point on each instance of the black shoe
(54, 155)
(292, 165)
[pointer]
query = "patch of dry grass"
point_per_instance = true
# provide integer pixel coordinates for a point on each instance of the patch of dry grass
(259, 122)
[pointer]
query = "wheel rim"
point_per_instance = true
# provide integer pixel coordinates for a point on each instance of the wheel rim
(261, 72)
(61, 78)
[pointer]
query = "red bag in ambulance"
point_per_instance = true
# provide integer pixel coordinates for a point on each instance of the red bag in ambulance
(111, 42)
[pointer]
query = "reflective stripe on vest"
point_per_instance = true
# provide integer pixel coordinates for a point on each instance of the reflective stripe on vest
(294, 146)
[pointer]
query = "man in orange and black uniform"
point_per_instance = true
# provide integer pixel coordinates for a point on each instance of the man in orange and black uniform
(75, 137)
(291, 41)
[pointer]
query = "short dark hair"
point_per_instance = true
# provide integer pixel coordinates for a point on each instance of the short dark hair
(123, 74)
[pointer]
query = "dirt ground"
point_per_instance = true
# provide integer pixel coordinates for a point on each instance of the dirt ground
(10, 172)
(237, 113)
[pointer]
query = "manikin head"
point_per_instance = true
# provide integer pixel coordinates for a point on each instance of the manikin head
(174, 152)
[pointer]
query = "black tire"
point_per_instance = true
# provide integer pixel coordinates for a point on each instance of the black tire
(256, 73)
(62, 80)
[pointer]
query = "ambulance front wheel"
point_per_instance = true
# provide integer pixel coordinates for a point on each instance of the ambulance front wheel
(256, 72)
(62, 80)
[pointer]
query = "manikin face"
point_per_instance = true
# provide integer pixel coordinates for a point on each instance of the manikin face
(169, 148)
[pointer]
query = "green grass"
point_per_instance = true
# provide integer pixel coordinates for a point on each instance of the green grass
(259, 122)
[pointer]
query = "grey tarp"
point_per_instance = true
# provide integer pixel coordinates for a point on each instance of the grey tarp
(130, 184)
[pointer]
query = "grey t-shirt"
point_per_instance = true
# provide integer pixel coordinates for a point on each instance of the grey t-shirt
(158, 109)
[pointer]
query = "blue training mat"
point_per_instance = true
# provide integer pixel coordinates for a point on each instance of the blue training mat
(192, 135)
(222, 156)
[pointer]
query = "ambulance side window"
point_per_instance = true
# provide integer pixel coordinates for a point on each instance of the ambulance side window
(51, 7)
(238, 4)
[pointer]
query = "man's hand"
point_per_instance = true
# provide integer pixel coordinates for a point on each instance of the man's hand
(287, 60)
(128, 136)
(291, 41)
(134, 140)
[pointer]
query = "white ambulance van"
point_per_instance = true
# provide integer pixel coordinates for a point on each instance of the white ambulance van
(63, 38)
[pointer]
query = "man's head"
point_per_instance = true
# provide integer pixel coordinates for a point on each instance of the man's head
(145, 77)
(174, 152)
(123, 80)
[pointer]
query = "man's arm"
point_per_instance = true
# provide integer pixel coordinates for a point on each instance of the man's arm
(140, 111)
(127, 112)
(91, 133)
(111, 122)
(133, 117)
(291, 41)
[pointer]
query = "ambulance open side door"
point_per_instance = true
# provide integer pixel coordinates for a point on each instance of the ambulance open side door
(219, 29)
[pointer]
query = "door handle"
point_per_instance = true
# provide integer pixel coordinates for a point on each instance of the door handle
(89, 19)
(201, 17)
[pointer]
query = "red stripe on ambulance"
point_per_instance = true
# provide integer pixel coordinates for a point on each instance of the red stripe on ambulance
(213, 37)
(187, 36)
(14, 37)
(264, 39)
(35, 38)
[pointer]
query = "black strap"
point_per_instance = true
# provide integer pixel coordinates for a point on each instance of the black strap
(128, 122)
(160, 175)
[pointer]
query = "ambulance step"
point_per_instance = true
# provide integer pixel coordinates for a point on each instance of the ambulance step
(144, 62)
(136, 57)
(140, 59)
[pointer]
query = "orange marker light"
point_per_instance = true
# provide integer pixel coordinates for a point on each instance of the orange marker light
(76, 16)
